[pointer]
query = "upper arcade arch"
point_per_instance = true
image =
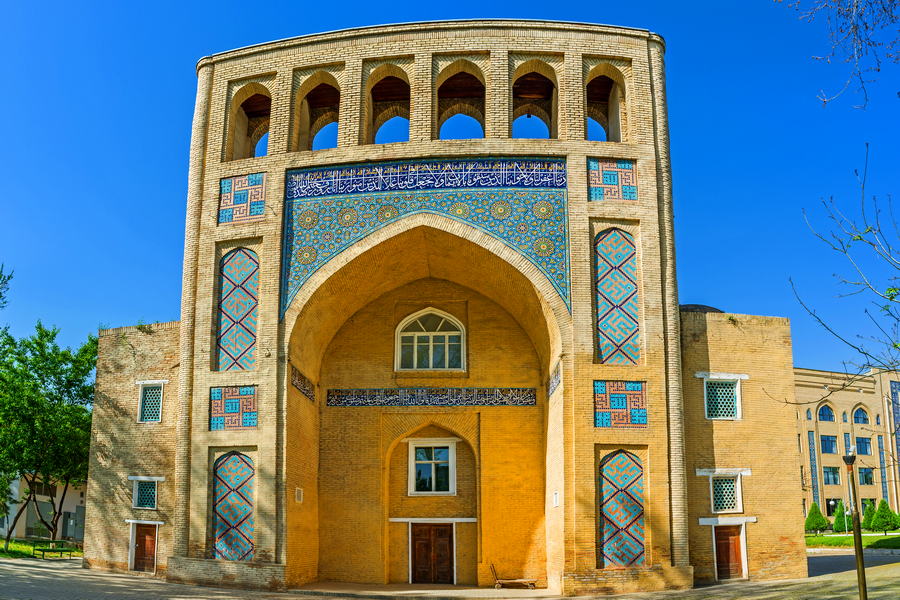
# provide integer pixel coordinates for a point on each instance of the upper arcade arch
(534, 90)
(387, 95)
(249, 117)
(459, 89)
(605, 100)
(316, 104)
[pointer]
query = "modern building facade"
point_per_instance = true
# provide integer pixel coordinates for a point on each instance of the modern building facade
(29, 525)
(408, 362)
(836, 413)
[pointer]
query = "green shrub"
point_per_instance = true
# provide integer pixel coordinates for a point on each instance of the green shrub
(841, 522)
(815, 520)
(884, 519)
(868, 515)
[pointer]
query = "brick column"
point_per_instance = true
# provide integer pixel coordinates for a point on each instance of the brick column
(420, 99)
(350, 117)
(199, 130)
(497, 96)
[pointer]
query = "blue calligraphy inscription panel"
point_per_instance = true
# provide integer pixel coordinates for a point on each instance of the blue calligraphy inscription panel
(434, 397)
(521, 202)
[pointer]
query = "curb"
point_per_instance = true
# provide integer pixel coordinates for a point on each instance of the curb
(849, 550)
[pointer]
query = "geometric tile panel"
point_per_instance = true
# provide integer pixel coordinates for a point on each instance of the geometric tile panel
(882, 468)
(233, 483)
(302, 383)
(621, 527)
(521, 202)
(242, 199)
(813, 467)
(433, 397)
(895, 409)
(620, 404)
(555, 379)
(611, 179)
(617, 330)
(232, 408)
(238, 301)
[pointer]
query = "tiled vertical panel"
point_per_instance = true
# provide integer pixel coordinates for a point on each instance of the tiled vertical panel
(882, 468)
(895, 409)
(611, 179)
(621, 510)
(242, 199)
(238, 303)
(232, 408)
(233, 485)
(814, 468)
(616, 290)
(620, 404)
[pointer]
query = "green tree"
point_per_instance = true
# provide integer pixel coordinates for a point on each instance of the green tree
(884, 519)
(868, 515)
(840, 518)
(45, 396)
(4, 285)
(815, 520)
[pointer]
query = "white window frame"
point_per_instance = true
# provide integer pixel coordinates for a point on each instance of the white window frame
(134, 479)
(409, 319)
(162, 395)
(738, 475)
(736, 378)
(414, 443)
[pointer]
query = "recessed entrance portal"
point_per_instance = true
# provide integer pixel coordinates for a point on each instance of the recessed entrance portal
(729, 559)
(432, 552)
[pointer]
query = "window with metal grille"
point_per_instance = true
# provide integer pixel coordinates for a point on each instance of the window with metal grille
(866, 476)
(151, 403)
(145, 494)
(831, 475)
(721, 399)
(725, 494)
(863, 445)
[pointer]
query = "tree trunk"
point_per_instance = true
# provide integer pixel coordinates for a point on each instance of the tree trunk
(57, 511)
(12, 524)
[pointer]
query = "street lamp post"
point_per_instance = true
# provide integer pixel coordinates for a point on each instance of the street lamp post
(849, 459)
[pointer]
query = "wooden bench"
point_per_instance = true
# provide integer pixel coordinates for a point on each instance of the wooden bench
(43, 551)
(499, 583)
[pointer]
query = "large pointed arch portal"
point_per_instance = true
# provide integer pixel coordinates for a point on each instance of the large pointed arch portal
(519, 201)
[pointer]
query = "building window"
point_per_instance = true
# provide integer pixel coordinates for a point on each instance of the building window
(150, 409)
(825, 413)
(831, 506)
(829, 444)
(722, 399)
(860, 417)
(878, 419)
(430, 340)
(726, 494)
(831, 475)
(866, 476)
(844, 416)
(864, 445)
(44, 489)
(808, 415)
(144, 494)
(432, 467)
(847, 444)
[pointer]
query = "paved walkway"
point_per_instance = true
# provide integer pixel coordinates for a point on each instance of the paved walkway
(32, 579)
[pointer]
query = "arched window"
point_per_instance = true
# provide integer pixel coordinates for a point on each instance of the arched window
(460, 99)
(430, 340)
(248, 123)
(387, 100)
(825, 413)
(860, 416)
(534, 95)
(605, 104)
(844, 416)
(878, 419)
(808, 415)
(233, 500)
(316, 108)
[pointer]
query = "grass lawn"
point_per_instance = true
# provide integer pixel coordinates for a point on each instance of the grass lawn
(846, 541)
(23, 549)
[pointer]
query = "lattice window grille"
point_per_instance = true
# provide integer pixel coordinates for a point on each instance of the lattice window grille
(145, 494)
(724, 491)
(151, 403)
(721, 399)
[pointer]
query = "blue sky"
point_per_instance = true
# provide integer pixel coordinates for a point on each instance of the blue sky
(98, 105)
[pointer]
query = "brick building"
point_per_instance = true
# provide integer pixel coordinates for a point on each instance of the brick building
(408, 362)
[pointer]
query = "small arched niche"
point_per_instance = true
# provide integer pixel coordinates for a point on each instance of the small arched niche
(387, 99)
(249, 116)
(317, 106)
(605, 105)
(460, 91)
(534, 94)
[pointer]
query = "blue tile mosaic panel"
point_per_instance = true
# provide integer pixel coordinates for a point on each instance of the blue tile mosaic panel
(814, 468)
(242, 199)
(616, 298)
(611, 179)
(620, 404)
(882, 468)
(302, 384)
(621, 511)
(555, 379)
(520, 201)
(434, 397)
(895, 409)
(233, 484)
(238, 302)
(232, 408)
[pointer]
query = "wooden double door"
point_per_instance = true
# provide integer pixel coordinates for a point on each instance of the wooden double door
(729, 554)
(432, 553)
(145, 548)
